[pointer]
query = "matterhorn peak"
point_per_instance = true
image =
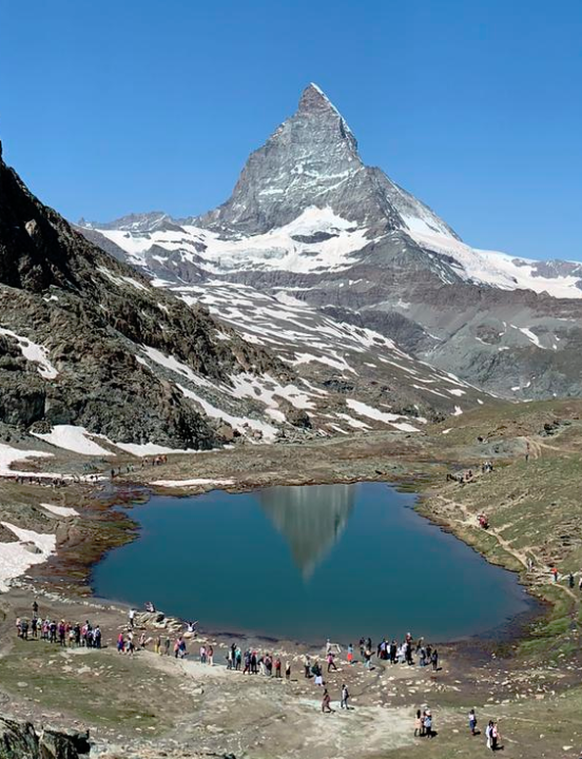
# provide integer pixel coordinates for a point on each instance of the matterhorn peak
(312, 161)
(313, 98)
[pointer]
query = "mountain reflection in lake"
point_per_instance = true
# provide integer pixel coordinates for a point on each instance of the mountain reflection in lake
(311, 519)
(307, 563)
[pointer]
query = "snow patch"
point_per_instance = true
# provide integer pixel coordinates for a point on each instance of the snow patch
(72, 438)
(38, 354)
(9, 455)
(190, 483)
(372, 413)
(16, 558)
(242, 424)
(61, 511)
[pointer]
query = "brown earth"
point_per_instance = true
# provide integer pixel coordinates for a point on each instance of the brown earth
(156, 704)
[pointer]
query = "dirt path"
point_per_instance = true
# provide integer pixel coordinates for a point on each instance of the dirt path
(522, 555)
(536, 448)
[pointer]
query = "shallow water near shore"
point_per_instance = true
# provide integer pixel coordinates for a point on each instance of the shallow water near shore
(307, 563)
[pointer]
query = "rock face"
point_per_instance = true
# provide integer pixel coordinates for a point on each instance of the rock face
(312, 160)
(19, 740)
(76, 327)
(307, 218)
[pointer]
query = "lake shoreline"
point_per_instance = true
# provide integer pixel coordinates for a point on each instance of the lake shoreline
(505, 638)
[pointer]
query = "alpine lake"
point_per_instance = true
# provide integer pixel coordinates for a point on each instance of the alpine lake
(308, 563)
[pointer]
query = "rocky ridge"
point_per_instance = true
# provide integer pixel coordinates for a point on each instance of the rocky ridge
(95, 357)
(76, 329)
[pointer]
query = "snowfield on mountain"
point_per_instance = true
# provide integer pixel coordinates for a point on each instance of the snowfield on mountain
(308, 220)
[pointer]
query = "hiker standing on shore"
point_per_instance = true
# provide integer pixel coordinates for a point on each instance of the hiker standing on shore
(345, 697)
(488, 731)
(473, 722)
(428, 724)
(495, 737)
(418, 725)
(350, 655)
(325, 703)
(131, 616)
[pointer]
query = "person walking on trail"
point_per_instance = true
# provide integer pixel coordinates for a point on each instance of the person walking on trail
(328, 647)
(288, 670)
(368, 658)
(330, 662)
(418, 725)
(167, 647)
(554, 573)
(307, 665)
(345, 697)
(570, 580)
(326, 703)
(473, 722)
(131, 616)
(210, 655)
(435, 660)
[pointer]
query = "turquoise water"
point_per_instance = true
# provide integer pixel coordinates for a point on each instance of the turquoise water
(308, 563)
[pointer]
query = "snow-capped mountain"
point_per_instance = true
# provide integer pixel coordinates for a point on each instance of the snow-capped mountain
(98, 359)
(308, 218)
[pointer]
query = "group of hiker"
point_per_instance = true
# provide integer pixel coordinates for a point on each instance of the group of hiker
(50, 482)
(62, 633)
(468, 475)
(253, 662)
(394, 652)
(423, 725)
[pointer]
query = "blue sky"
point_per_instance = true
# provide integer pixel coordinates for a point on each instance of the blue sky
(110, 107)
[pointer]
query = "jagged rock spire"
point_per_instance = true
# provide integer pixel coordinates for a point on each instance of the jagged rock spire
(312, 160)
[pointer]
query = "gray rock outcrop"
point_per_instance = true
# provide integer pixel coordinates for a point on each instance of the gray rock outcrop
(73, 325)
(19, 740)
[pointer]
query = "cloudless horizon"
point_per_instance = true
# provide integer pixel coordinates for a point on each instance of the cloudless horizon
(112, 108)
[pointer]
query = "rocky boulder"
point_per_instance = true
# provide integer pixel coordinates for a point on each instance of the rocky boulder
(19, 740)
